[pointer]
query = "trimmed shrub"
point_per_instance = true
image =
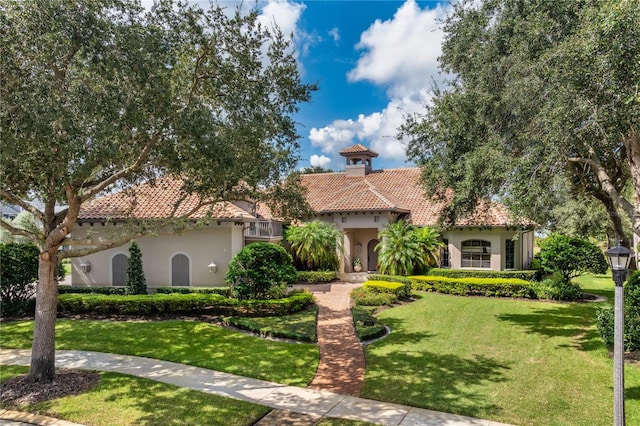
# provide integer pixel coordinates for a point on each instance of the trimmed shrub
(489, 287)
(393, 278)
(367, 326)
(70, 289)
(136, 283)
(222, 291)
(259, 267)
(363, 296)
(177, 303)
(396, 288)
(570, 256)
(18, 275)
(316, 277)
(557, 290)
(529, 275)
(605, 316)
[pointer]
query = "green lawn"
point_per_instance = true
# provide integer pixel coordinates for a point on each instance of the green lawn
(519, 362)
(188, 342)
(121, 400)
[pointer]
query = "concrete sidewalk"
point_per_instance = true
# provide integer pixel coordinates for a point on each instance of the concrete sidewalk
(299, 400)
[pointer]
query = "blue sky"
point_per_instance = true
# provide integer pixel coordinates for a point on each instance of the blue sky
(374, 61)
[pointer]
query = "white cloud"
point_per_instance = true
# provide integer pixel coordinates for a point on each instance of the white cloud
(283, 13)
(400, 55)
(335, 34)
(320, 161)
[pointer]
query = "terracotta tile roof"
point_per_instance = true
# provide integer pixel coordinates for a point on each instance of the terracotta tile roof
(395, 190)
(358, 149)
(156, 201)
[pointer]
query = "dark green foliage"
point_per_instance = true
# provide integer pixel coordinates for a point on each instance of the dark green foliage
(69, 289)
(258, 269)
(557, 290)
(316, 277)
(367, 325)
(605, 316)
(222, 291)
(488, 287)
(363, 296)
(136, 283)
(18, 274)
(570, 256)
(463, 273)
(193, 303)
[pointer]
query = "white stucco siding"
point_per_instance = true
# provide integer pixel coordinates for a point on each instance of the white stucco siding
(215, 243)
(497, 238)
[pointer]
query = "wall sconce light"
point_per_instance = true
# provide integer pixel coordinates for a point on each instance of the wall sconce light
(85, 266)
(358, 247)
(213, 268)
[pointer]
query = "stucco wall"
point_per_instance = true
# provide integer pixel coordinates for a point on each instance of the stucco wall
(497, 237)
(215, 243)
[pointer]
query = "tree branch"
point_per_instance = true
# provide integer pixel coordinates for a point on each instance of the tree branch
(9, 196)
(18, 231)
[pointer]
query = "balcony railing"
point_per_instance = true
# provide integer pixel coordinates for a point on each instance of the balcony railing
(263, 230)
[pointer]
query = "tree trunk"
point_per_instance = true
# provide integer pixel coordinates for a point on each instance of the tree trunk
(43, 352)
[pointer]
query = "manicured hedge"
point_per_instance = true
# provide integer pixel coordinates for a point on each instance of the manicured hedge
(470, 273)
(393, 278)
(364, 296)
(491, 287)
(316, 277)
(399, 289)
(176, 303)
(71, 289)
(222, 291)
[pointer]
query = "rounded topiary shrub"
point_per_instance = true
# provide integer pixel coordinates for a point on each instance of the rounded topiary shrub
(260, 271)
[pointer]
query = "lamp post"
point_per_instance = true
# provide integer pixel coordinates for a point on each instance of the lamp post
(619, 258)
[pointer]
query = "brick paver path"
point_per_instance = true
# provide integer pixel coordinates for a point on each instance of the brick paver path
(341, 366)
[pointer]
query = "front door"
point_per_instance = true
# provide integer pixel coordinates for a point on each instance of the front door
(372, 255)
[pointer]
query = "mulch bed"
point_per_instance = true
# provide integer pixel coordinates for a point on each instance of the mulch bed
(19, 391)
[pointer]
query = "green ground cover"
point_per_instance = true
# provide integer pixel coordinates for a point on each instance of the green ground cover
(300, 326)
(513, 361)
(189, 342)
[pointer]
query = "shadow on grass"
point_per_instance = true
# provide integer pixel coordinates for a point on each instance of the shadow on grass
(142, 401)
(574, 321)
(195, 343)
(632, 393)
(425, 379)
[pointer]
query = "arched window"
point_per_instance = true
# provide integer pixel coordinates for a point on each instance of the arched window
(119, 270)
(476, 254)
(180, 270)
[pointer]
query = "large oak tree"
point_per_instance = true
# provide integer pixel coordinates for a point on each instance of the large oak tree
(541, 90)
(99, 95)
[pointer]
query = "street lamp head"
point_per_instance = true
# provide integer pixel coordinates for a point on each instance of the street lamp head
(619, 258)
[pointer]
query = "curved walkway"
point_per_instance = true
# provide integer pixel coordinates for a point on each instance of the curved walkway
(314, 403)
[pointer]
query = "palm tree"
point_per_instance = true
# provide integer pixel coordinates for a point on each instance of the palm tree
(400, 251)
(315, 245)
(430, 241)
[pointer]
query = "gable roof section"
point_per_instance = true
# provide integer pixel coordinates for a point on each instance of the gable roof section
(162, 199)
(395, 190)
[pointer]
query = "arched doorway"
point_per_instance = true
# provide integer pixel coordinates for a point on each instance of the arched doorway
(372, 255)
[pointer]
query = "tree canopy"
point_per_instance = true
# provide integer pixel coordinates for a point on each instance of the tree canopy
(538, 90)
(102, 94)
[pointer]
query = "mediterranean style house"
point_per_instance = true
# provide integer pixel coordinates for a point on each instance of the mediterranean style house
(359, 201)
